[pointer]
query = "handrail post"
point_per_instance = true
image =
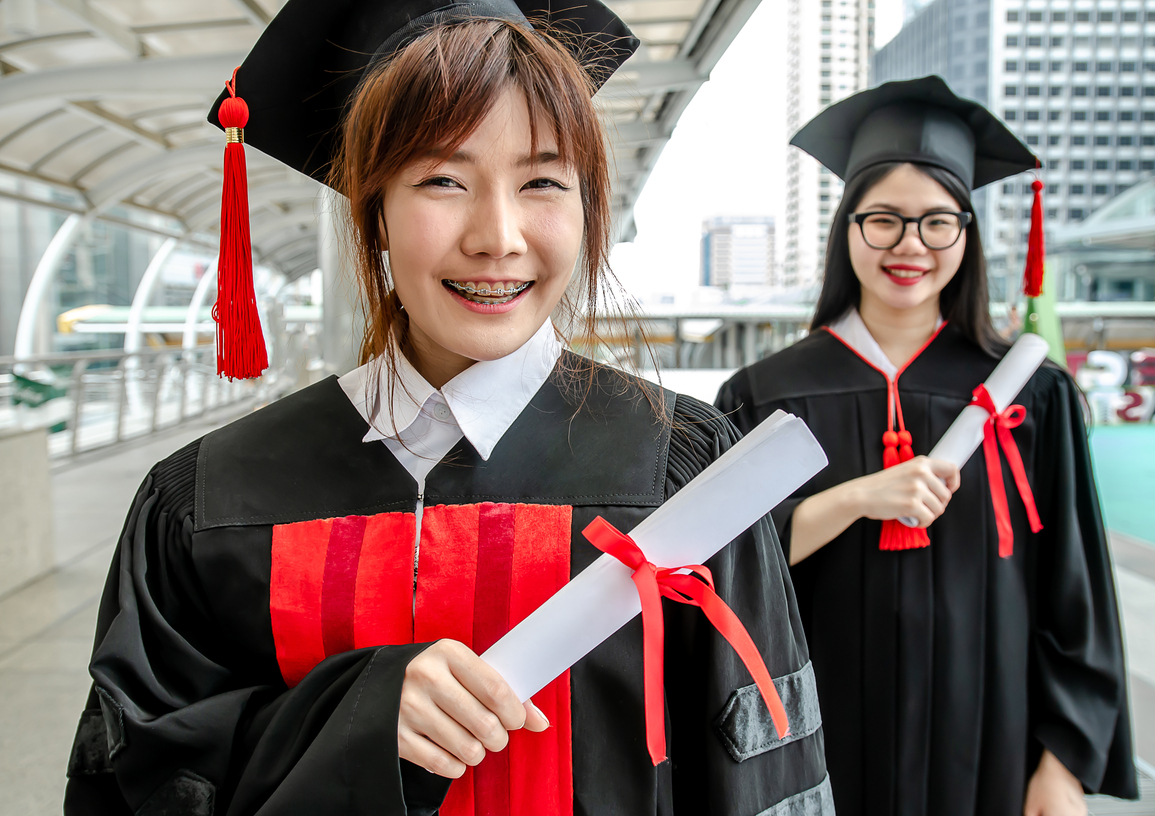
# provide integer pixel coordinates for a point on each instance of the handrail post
(76, 388)
(159, 367)
(121, 398)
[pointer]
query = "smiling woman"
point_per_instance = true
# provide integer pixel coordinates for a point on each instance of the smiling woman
(293, 620)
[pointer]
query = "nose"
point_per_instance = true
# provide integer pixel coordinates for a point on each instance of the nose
(911, 243)
(495, 228)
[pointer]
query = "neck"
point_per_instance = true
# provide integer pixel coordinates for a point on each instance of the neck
(900, 333)
(437, 365)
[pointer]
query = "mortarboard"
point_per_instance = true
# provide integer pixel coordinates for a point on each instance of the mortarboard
(296, 83)
(922, 121)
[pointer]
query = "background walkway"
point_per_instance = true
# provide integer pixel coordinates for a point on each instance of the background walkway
(46, 627)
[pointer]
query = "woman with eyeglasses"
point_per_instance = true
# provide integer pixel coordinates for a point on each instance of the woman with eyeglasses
(952, 681)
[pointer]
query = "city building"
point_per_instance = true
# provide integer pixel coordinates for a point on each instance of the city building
(738, 251)
(829, 47)
(1075, 80)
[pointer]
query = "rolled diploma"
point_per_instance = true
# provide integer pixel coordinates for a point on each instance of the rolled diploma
(965, 434)
(725, 499)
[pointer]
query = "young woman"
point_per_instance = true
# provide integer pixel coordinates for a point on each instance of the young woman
(952, 681)
(293, 618)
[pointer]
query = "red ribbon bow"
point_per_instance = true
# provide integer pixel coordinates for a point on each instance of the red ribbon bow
(654, 583)
(1001, 424)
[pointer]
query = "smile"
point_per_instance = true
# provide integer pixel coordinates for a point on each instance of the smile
(501, 292)
(905, 272)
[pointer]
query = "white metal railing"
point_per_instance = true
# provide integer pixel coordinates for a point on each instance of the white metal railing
(91, 400)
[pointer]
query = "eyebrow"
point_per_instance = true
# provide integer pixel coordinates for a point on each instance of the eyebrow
(543, 157)
(894, 208)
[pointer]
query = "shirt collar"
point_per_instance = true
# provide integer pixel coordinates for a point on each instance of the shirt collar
(851, 329)
(485, 399)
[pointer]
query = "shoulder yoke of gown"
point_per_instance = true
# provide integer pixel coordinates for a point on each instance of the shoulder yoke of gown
(822, 365)
(302, 457)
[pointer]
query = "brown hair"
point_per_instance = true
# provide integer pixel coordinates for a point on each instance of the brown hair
(435, 92)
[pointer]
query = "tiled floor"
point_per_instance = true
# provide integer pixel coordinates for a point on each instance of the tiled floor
(46, 633)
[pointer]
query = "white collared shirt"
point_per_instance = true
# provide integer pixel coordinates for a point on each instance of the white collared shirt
(851, 329)
(423, 424)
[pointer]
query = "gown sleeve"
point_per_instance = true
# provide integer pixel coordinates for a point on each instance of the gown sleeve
(727, 758)
(1079, 694)
(173, 725)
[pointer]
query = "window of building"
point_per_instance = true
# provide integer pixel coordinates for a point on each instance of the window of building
(1055, 189)
(1054, 116)
(1104, 42)
(1125, 141)
(1078, 141)
(1034, 90)
(1151, 16)
(1012, 41)
(1032, 139)
(1102, 116)
(1079, 67)
(1034, 66)
(1011, 66)
(1103, 90)
(1035, 16)
(825, 74)
(826, 58)
(1032, 116)
(1010, 115)
(1076, 189)
(1124, 164)
(1082, 16)
(1057, 42)
(1147, 165)
(1101, 164)
(1057, 65)
(1078, 164)
(1149, 116)
(1079, 90)
(1075, 214)
(1082, 42)
(1011, 90)
(982, 19)
(1126, 116)
(1058, 16)
(1054, 164)
(1099, 189)
(1012, 16)
(1052, 214)
(1127, 67)
(1149, 41)
(1102, 141)
(1056, 90)
(1106, 16)
(1130, 16)
(1104, 66)
(1127, 90)
(826, 88)
(1149, 141)
(1148, 90)
(1026, 213)
(1034, 42)
(1079, 116)
(823, 198)
(1053, 140)
(1008, 189)
(1121, 188)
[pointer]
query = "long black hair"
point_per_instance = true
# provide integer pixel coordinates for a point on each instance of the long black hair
(964, 301)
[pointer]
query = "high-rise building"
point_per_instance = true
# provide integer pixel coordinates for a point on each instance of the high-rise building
(1075, 80)
(829, 47)
(738, 251)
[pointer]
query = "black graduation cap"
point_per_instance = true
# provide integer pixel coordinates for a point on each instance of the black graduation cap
(310, 59)
(915, 120)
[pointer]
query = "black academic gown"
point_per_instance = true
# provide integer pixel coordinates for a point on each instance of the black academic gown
(189, 713)
(943, 672)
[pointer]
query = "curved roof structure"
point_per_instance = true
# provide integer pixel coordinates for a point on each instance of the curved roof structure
(103, 103)
(1125, 222)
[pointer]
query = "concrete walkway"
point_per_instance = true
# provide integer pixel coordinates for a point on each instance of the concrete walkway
(46, 630)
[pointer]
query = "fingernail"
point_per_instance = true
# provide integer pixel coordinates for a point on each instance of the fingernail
(539, 711)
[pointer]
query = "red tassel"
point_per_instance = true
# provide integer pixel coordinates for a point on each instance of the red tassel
(240, 343)
(896, 447)
(1033, 274)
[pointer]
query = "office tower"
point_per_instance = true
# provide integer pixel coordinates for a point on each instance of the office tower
(738, 251)
(1076, 81)
(829, 46)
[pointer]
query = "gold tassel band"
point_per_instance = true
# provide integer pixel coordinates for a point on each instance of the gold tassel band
(234, 135)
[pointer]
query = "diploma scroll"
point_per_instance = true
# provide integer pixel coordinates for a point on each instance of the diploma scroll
(965, 434)
(725, 499)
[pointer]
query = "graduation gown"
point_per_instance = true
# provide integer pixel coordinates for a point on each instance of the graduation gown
(944, 671)
(262, 608)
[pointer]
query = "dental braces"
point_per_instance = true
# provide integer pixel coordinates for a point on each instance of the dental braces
(485, 290)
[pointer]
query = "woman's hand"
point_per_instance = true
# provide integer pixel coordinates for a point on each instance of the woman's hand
(918, 489)
(454, 708)
(1054, 791)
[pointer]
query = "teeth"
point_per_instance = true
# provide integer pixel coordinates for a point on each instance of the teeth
(905, 273)
(502, 289)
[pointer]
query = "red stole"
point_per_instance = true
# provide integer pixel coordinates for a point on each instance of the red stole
(346, 583)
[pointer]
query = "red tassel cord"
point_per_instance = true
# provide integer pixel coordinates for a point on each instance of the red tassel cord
(696, 589)
(1036, 252)
(997, 431)
(240, 343)
(897, 447)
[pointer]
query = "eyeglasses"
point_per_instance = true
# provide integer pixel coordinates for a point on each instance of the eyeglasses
(936, 230)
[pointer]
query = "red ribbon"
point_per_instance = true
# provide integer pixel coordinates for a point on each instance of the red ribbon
(1000, 424)
(653, 584)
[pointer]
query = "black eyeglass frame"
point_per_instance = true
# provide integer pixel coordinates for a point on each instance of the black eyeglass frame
(964, 218)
